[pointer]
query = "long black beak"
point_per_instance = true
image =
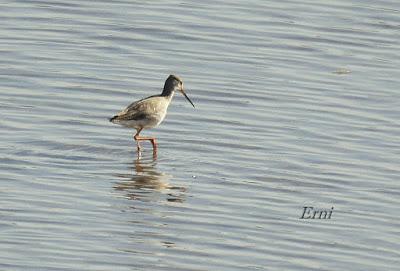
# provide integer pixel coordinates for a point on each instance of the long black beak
(187, 98)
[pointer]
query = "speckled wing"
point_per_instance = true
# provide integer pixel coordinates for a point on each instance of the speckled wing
(136, 111)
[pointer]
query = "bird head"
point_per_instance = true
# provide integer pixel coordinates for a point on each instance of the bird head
(174, 83)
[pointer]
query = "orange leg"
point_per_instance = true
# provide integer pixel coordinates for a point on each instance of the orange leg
(137, 141)
(151, 139)
(140, 138)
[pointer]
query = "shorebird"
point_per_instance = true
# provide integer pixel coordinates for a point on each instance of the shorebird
(151, 111)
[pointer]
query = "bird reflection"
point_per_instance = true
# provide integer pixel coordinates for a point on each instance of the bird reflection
(148, 184)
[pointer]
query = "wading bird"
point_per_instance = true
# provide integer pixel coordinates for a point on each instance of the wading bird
(150, 112)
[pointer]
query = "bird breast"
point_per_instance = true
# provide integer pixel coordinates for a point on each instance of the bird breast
(156, 110)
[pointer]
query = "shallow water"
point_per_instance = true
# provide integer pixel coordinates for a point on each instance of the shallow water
(297, 104)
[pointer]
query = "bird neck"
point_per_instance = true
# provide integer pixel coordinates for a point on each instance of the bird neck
(170, 96)
(168, 92)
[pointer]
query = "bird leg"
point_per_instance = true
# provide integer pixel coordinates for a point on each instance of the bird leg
(136, 139)
(141, 138)
(151, 139)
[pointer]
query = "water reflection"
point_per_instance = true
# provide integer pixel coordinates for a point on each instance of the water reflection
(149, 184)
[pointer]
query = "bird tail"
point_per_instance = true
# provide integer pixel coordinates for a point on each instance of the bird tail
(113, 119)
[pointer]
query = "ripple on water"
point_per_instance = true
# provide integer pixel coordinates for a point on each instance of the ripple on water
(294, 108)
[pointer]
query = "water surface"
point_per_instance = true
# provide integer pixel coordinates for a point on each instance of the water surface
(297, 104)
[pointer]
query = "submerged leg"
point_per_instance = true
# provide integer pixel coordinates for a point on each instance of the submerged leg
(151, 139)
(136, 136)
(155, 153)
(140, 138)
